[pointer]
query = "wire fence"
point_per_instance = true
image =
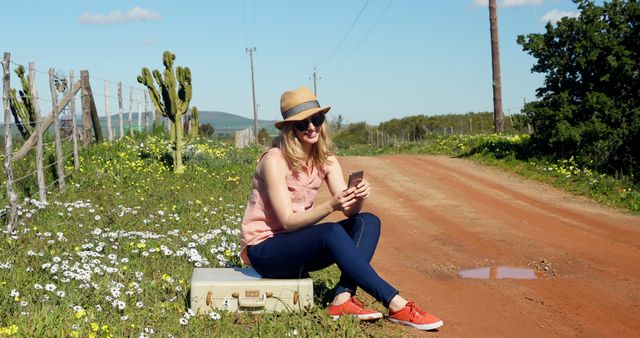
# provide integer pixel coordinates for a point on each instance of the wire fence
(84, 129)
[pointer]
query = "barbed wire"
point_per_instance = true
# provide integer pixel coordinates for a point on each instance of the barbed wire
(137, 87)
(45, 167)
(25, 176)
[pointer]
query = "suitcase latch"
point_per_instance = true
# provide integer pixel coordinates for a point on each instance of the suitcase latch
(252, 293)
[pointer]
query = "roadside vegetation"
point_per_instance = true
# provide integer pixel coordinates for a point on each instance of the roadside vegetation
(112, 255)
(514, 153)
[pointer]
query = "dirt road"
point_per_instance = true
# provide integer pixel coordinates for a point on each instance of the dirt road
(442, 215)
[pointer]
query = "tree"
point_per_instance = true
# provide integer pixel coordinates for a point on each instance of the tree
(206, 130)
(589, 104)
(263, 136)
(354, 133)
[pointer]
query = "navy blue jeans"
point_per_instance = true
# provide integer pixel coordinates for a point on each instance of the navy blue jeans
(349, 243)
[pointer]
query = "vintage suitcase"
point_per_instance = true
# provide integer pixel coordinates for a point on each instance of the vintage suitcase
(243, 289)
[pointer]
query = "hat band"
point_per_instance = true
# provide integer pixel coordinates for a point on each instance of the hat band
(300, 108)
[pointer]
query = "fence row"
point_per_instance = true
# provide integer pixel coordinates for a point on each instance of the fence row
(66, 106)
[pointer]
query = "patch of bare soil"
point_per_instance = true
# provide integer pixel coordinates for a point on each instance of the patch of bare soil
(442, 215)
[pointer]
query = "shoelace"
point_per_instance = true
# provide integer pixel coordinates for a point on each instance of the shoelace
(357, 301)
(414, 310)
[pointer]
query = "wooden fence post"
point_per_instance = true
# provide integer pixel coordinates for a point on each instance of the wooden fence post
(120, 109)
(107, 98)
(154, 116)
(146, 112)
(87, 98)
(131, 112)
(139, 114)
(39, 146)
(12, 217)
(74, 125)
(86, 113)
(56, 130)
(31, 142)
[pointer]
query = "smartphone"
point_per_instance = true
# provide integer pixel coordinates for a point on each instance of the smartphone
(355, 178)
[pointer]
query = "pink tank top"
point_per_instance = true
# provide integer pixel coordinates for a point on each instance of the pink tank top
(260, 221)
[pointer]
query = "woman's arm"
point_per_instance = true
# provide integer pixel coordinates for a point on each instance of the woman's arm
(336, 183)
(273, 169)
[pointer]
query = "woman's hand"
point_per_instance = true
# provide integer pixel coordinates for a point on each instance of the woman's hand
(344, 200)
(363, 190)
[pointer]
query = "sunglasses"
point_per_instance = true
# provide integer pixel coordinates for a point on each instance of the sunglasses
(303, 125)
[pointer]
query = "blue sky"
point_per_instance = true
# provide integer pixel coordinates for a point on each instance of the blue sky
(377, 59)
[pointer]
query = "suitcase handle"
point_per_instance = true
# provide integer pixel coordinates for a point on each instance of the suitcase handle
(252, 301)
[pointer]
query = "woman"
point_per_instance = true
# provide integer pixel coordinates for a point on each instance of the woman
(280, 237)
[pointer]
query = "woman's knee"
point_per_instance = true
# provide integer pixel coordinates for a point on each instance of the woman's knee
(370, 221)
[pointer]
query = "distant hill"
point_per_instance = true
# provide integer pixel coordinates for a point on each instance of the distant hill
(226, 122)
(223, 123)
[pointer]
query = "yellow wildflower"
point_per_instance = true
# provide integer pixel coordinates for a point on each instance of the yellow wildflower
(9, 330)
(81, 313)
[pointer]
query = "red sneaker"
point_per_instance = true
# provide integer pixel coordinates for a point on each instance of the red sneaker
(353, 307)
(412, 316)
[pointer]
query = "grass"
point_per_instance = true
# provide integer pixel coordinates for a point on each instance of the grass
(112, 255)
(511, 152)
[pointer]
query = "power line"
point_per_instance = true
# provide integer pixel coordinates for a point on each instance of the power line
(364, 38)
(347, 34)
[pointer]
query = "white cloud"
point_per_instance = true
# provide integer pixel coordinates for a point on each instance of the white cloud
(509, 3)
(556, 14)
(115, 17)
(518, 3)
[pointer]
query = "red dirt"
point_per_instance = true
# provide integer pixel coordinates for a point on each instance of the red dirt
(442, 215)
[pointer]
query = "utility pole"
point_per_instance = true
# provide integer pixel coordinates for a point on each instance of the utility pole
(498, 117)
(253, 90)
(315, 80)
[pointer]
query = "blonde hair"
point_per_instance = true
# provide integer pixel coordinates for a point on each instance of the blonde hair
(292, 149)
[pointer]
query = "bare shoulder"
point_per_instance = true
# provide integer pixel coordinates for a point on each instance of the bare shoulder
(272, 162)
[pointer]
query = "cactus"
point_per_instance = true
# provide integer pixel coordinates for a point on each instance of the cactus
(195, 124)
(170, 102)
(22, 109)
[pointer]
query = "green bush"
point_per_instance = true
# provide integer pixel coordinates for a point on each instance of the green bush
(354, 133)
(589, 105)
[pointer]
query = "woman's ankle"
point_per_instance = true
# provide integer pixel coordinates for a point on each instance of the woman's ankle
(397, 303)
(341, 298)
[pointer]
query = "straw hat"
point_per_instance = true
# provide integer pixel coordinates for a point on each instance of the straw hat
(298, 105)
